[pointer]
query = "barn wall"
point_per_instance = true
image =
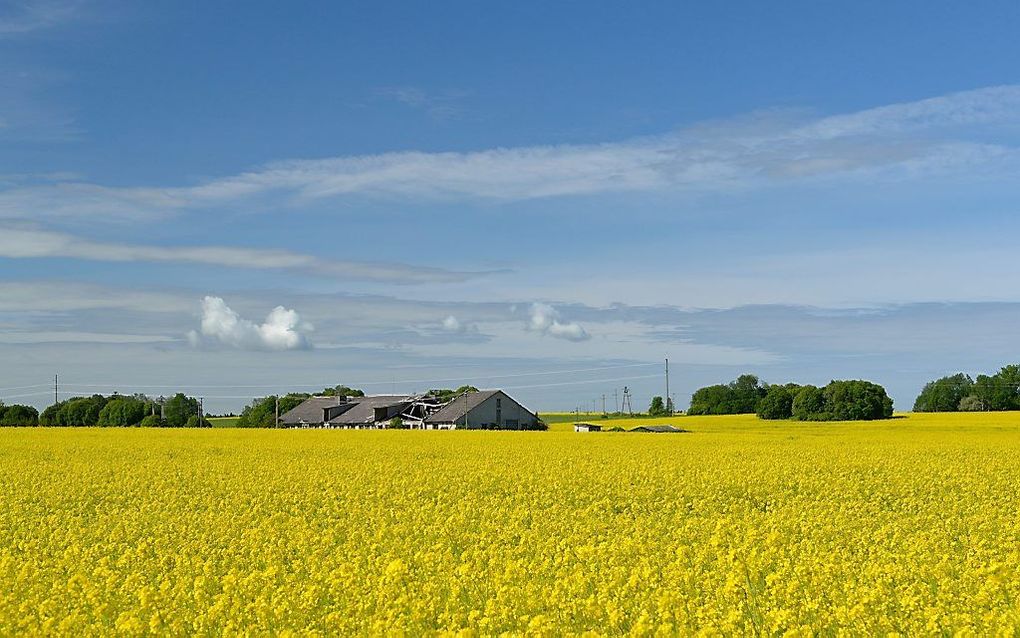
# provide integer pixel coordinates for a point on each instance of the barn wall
(484, 415)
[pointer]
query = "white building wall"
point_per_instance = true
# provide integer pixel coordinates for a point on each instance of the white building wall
(499, 410)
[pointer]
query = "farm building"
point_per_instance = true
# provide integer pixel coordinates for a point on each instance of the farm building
(587, 427)
(488, 409)
(484, 410)
(656, 428)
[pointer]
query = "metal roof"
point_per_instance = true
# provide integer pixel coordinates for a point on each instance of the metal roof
(309, 411)
(364, 408)
(657, 428)
(455, 409)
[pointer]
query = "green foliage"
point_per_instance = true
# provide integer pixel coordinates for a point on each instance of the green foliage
(737, 397)
(971, 403)
(18, 416)
(997, 392)
(261, 413)
(396, 423)
(340, 390)
(195, 421)
(777, 403)
(152, 421)
(445, 394)
(123, 411)
(74, 412)
(809, 404)
(857, 401)
(945, 394)
(657, 407)
(178, 409)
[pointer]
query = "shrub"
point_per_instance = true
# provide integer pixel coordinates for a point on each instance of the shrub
(971, 403)
(152, 421)
(857, 401)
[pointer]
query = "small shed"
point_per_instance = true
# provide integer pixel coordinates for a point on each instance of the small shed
(587, 427)
(657, 428)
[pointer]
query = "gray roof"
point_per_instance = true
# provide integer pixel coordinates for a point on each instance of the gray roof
(364, 408)
(309, 411)
(360, 409)
(657, 428)
(455, 409)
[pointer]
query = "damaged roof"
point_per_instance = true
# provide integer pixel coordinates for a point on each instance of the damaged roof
(464, 403)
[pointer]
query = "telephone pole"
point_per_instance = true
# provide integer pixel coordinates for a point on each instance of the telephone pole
(616, 399)
(603, 404)
(669, 407)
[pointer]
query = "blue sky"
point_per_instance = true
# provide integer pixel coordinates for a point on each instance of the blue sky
(546, 198)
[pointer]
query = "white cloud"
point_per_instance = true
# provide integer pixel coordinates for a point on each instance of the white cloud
(546, 319)
(25, 243)
(452, 324)
(282, 330)
(920, 136)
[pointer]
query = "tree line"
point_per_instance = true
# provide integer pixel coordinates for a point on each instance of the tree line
(960, 393)
(18, 415)
(852, 400)
(119, 410)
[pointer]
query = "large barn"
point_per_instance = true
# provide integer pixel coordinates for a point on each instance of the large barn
(483, 410)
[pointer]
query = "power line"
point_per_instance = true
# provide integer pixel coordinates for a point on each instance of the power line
(26, 387)
(361, 383)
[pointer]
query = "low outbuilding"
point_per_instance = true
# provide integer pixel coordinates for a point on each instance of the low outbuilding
(657, 428)
(587, 427)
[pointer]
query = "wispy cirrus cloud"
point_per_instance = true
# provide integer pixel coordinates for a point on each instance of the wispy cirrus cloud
(28, 16)
(28, 243)
(441, 105)
(924, 137)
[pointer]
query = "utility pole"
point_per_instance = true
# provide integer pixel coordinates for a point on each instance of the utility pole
(276, 423)
(669, 407)
(201, 411)
(603, 404)
(616, 399)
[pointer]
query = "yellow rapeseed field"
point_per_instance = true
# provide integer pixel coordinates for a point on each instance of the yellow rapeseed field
(909, 526)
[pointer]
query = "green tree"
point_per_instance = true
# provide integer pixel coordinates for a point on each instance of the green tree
(777, 403)
(18, 415)
(738, 397)
(809, 404)
(747, 392)
(657, 407)
(152, 421)
(261, 413)
(857, 401)
(178, 409)
(122, 411)
(396, 423)
(195, 421)
(945, 394)
(342, 390)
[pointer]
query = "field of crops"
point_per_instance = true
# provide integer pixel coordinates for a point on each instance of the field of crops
(908, 526)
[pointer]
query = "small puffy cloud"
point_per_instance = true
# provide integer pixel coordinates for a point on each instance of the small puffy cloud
(546, 319)
(282, 330)
(452, 324)
(455, 325)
